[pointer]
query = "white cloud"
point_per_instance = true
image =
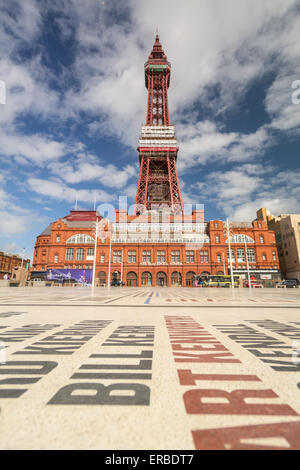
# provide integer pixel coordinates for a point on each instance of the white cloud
(59, 191)
(239, 193)
(85, 170)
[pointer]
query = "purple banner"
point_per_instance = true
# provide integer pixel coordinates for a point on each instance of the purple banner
(82, 276)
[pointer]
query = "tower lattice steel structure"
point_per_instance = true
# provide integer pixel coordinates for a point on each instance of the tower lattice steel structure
(158, 185)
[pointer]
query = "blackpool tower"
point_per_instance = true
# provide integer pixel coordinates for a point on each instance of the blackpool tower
(158, 186)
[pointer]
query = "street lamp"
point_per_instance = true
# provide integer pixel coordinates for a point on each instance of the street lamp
(122, 269)
(230, 254)
(95, 254)
(109, 261)
(248, 271)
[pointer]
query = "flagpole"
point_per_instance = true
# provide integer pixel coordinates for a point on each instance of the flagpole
(95, 254)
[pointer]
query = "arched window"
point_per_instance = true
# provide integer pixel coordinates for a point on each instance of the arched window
(131, 279)
(261, 239)
(240, 238)
(205, 273)
(102, 278)
(264, 257)
(189, 277)
(161, 279)
(56, 258)
(81, 238)
(146, 279)
(176, 278)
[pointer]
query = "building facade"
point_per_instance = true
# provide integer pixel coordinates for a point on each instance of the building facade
(287, 234)
(159, 244)
(9, 261)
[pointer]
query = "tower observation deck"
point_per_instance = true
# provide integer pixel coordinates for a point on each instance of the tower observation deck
(158, 186)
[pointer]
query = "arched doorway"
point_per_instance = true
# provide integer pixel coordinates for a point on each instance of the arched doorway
(161, 279)
(102, 278)
(205, 273)
(115, 278)
(146, 279)
(189, 277)
(176, 278)
(131, 279)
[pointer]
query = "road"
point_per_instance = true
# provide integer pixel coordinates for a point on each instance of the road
(156, 368)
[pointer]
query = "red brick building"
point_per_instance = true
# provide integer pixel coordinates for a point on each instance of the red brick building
(147, 253)
(9, 261)
(159, 245)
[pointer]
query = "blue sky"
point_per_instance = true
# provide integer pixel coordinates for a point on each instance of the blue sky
(75, 102)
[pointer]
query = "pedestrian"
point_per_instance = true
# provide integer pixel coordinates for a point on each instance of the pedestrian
(5, 277)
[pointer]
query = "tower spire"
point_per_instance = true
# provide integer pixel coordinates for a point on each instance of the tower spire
(158, 181)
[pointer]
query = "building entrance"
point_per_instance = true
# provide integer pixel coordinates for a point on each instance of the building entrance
(161, 279)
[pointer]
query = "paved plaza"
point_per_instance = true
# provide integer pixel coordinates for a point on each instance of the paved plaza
(156, 368)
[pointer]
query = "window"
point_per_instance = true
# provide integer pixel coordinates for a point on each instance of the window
(232, 255)
(132, 256)
(190, 256)
(274, 255)
(217, 239)
(204, 256)
(56, 258)
(57, 238)
(70, 254)
(146, 256)
(81, 238)
(161, 256)
(102, 258)
(251, 255)
(117, 257)
(264, 257)
(219, 258)
(89, 253)
(175, 256)
(261, 239)
(240, 255)
(240, 238)
(80, 254)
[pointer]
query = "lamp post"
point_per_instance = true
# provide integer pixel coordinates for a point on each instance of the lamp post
(230, 254)
(248, 271)
(109, 261)
(95, 254)
(122, 269)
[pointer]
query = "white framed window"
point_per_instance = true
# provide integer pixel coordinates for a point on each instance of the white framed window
(161, 256)
(204, 256)
(232, 255)
(56, 258)
(117, 256)
(251, 255)
(131, 256)
(81, 238)
(175, 256)
(240, 255)
(70, 254)
(240, 238)
(80, 254)
(190, 256)
(90, 254)
(146, 257)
